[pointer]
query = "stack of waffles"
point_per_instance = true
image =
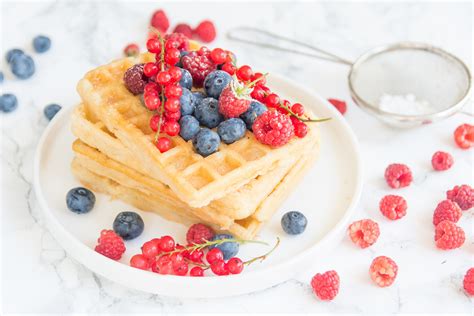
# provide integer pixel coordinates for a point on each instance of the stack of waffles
(237, 189)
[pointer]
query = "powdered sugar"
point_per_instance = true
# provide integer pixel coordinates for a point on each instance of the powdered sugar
(406, 104)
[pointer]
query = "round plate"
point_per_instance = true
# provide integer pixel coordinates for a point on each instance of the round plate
(327, 196)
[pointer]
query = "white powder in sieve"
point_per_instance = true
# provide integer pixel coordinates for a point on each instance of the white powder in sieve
(406, 104)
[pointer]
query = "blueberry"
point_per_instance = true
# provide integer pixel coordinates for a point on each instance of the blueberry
(1, 77)
(182, 54)
(128, 225)
(229, 249)
(189, 127)
(80, 200)
(8, 102)
(198, 96)
(51, 110)
(215, 82)
(207, 112)
(12, 53)
(294, 223)
(231, 130)
(255, 110)
(187, 103)
(206, 142)
(41, 43)
(23, 66)
(186, 80)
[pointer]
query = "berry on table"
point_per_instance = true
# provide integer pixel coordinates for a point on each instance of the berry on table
(231, 130)
(446, 210)
(364, 233)
(213, 255)
(294, 223)
(8, 103)
(199, 65)
(273, 128)
(199, 233)
(398, 175)
(131, 50)
(207, 113)
(215, 82)
(383, 271)
(134, 79)
(80, 200)
(196, 272)
(235, 265)
(139, 261)
(128, 225)
(51, 110)
(340, 105)
(23, 66)
(244, 73)
(189, 127)
(185, 29)
(186, 102)
(449, 236)
(228, 248)
(186, 80)
(464, 136)
(468, 282)
(13, 53)
(219, 267)
(326, 285)
(205, 31)
(41, 43)
(160, 21)
(163, 144)
(255, 110)
(393, 207)
(110, 245)
(441, 161)
(206, 142)
(463, 195)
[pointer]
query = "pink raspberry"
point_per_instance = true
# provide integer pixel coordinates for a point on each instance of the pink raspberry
(273, 128)
(185, 29)
(463, 195)
(326, 285)
(398, 175)
(393, 207)
(199, 233)
(160, 21)
(446, 210)
(199, 65)
(206, 31)
(364, 233)
(441, 161)
(383, 271)
(231, 105)
(464, 136)
(110, 245)
(449, 236)
(468, 282)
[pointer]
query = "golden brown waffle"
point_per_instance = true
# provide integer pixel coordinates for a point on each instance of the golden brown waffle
(195, 180)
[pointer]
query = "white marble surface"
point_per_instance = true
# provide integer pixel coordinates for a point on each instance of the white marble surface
(38, 276)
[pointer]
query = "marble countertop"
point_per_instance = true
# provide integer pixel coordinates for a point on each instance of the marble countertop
(37, 274)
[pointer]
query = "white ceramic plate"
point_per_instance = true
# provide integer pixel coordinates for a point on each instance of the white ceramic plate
(327, 196)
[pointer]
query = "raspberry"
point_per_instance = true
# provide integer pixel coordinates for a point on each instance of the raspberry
(273, 128)
(185, 29)
(449, 236)
(464, 136)
(393, 206)
(441, 161)
(383, 271)
(131, 50)
(364, 233)
(398, 175)
(468, 282)
(446, 210)
(340, 105)
(110, 245)
(326, 285)
(463, 195)
(230, 105)
(160, 21)
(199, 233)
(134, 79)
(206, 31)
(199, 65)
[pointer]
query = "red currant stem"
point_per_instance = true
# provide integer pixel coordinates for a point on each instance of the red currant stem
(252, 83)
(201, 265)
(264, 256)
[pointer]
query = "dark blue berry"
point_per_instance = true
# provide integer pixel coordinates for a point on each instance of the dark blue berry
(198, 96)
(23, 66)
(255, 110)
(182, 54)
(189, 127)
(229, 249)
(51, 110)
(206, 142)
(231, 130)
(215, 82)
(186, 102)
(207, 112)
(128, 225)
(1, 77)
(80, 200)
(186, 80)
(41, 43)
(12, 53)
(294, 223)
(8, 102)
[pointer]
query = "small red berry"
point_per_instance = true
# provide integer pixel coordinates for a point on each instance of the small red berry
(199, 233)
(272, 100)
(110, 245)
(273, 129)
(196, 255)
(172, 104)
(258, 94)
(173, 116)
(301, 129)
(364, 233)
(171, 128)
(139, 261)
(177, 40)
(173, 91)
(218, 56)
(383, 271)
(441, 161)
(150, 69)
(177, 258)
(163, 265)
(206, 31)
(172, 56)
(468, 282)
(166, 243)
(163, 77)
(446, 210)
(150, 249)
(393, 207)
(260, 77)
(229, 68)
(326, 285)
(213, 255)
(235, 265)
(154, 122)
(153, 45)
(464, 136)
(244, 73)
(398, 175)
(152, 101)
(175, 73)
(219, 267)
(298, 109)
(151, 87)
(163, 144)
(449, 236)
(196, 272)
(131, 50)
(185, 29)
(463, 195)
(340, 105)
(160, 21)
(181, 268)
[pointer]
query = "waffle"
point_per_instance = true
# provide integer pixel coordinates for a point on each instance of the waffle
(194, 179)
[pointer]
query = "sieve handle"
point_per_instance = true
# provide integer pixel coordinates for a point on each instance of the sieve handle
(243, 33)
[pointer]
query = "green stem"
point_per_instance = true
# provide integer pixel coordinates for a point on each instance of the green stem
(264, 256)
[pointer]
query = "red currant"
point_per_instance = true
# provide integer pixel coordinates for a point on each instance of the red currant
(175, 73)
(154, 122)
(139, 261)
(282, 110)
(286, 104)
(177, 258)
(184, 252)
(301, 129)
(219, 267)
(196, 255)
(258, 93)
(171, 43)
(151, 87)
(150, 69)
(150, 249)
(181, 269)
(229, 68)
(214, 254)
(153, 45)
(152, 101)
(172, 104)
(261, 79)
(166, 243)
(163, 77)
(204, 51)
(235, 265)
(244, 73)
(163, 265)
(173, 116)
(172, 56)
(173, 91)
(266, 89)
(163, 144)
(230, 57)
(272, 100)
(196, 272)
(171, 128)
(218, 56)
(298, 109)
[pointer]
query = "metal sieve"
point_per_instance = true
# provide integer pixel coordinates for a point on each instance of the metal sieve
(441, 80)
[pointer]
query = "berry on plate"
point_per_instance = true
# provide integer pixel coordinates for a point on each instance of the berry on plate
(214, 254)
(219, 267)
(393, 207)
(135, 80)
(383, 271)
(398, 175)
(150, 248)
(110, 245)
(446, 210)
(139, 261)
(235, 265)
(231, 130)
(131, 50)
(229, 249)
(8, 102)
(205, 31)
(196, 272)
(51, 110)
(326, 285)
(463, 195)
(80, 200)
(441, 161)
(215, 82)
(364, 233)
(294, 223)
(273, 128)
(160, 21)
(449, 236)
(199, 233)
(207, 113)
(464, 136)
(235, 99)
(255, 110)
(468, 282)
(128, 225)
(41, 43)
(206, 142)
